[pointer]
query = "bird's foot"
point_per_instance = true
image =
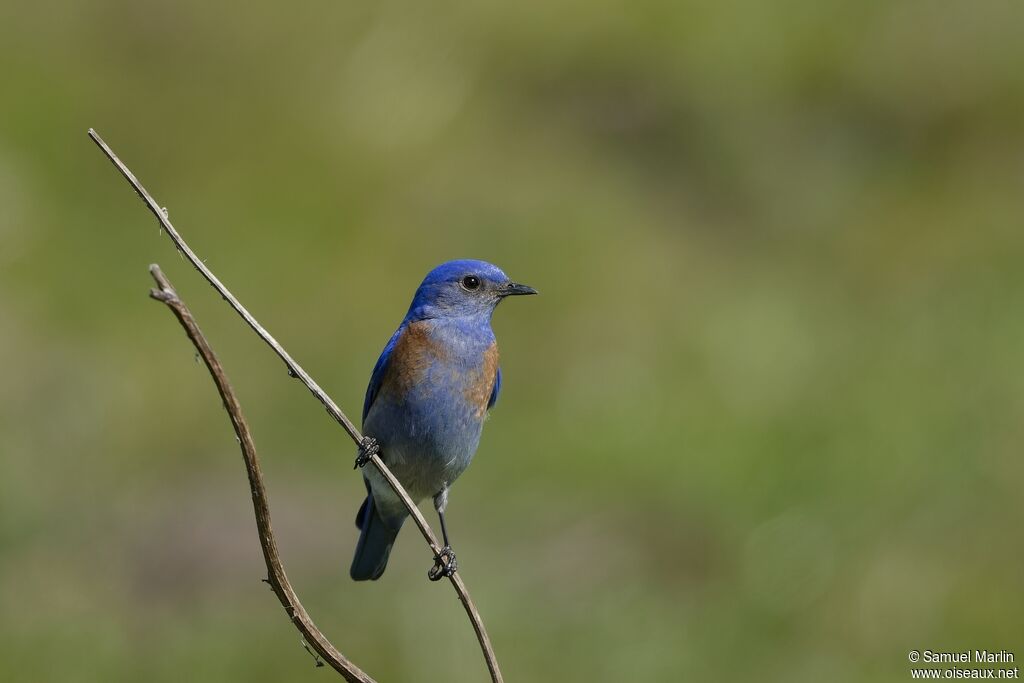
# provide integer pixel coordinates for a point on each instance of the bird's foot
(368, 448)
(444, 564)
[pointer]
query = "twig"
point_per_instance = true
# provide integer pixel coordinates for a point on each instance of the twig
(295, 370)
(277, 579)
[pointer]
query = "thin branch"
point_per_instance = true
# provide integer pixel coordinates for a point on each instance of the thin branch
(295, 370)
(277, 578)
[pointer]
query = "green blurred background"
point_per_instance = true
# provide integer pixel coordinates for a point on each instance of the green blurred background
(762, 424)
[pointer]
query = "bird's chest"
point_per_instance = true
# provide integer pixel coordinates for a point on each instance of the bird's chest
(433, 398)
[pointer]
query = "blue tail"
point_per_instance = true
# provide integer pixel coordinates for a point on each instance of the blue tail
(375, 542)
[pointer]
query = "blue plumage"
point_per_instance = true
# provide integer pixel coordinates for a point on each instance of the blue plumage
(427, 399)
(496, 390)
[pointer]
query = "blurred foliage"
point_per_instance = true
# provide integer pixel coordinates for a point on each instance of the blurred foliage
(762, 424)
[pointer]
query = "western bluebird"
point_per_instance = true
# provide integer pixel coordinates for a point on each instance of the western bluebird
(426, 403)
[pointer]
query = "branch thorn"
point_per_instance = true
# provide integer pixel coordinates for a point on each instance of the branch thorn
(305, 646)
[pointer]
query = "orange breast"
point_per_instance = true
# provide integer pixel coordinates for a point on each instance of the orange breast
(417, 352)
(480, 383)
(414, 353)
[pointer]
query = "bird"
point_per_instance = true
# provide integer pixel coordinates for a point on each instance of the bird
(426, 402)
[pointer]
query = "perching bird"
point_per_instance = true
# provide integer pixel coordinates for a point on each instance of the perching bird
(426, 403)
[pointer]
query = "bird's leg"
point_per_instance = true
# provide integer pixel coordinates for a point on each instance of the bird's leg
(368, 448)
(444, 562)
(444, 529)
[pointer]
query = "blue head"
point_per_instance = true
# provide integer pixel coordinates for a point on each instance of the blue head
(463, 289)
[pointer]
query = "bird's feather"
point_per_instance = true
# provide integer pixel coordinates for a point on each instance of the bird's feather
(496, 390)
(375, 541)
(379, 370)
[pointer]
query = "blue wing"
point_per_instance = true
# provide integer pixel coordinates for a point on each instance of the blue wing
(378, 371)
(496, 390)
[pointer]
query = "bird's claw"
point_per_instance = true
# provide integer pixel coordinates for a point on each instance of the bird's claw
(444, 565)
(368, 448)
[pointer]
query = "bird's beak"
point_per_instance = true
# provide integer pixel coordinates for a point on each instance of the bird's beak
(515, 289)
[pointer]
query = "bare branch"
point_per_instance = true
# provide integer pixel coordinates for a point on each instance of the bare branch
(277, 578)
(295, 370)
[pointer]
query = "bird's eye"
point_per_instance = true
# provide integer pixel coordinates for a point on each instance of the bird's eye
(471, 282)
